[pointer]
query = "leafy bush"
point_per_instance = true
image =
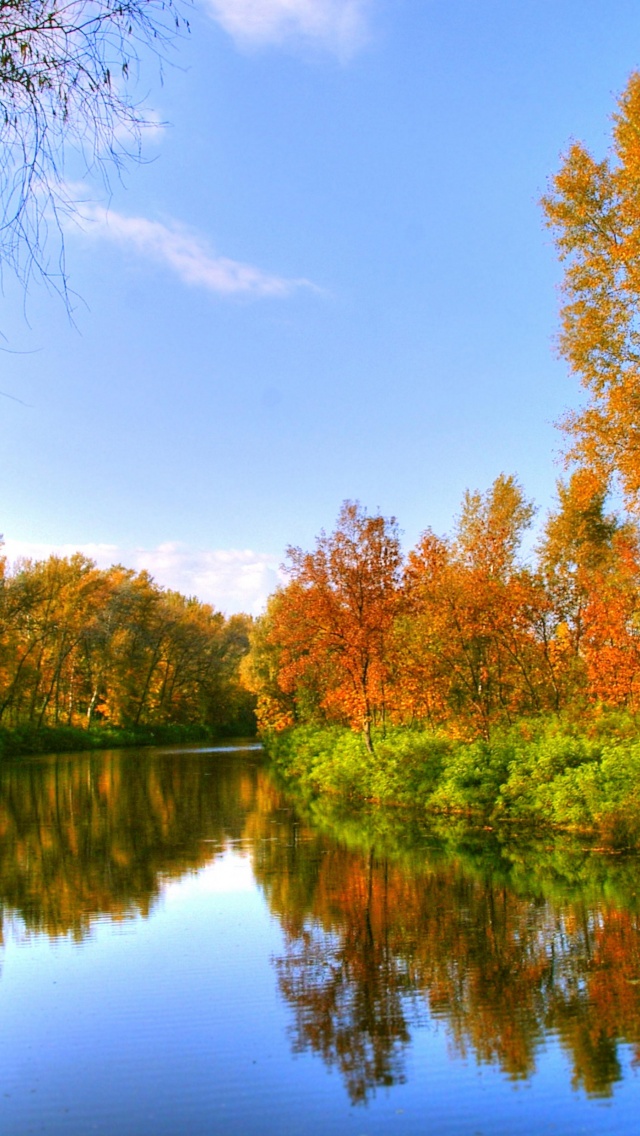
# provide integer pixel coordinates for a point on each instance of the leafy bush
(548, 772)
(404, 769)
(472, 777)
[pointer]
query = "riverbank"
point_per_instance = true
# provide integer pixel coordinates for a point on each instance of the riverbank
(25, 740)
(548, 772)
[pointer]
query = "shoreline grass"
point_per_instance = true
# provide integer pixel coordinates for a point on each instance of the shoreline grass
(24, 741)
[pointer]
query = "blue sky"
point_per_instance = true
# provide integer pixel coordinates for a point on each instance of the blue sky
(328, 279)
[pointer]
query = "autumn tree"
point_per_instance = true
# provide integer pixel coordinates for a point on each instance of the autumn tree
(277, 702)
(421, 638)
(593, 209)
(495, 597)
(470, 647)
(612, 626)
(576, 553)
(331, 624)
(80, 645)
(48, 607)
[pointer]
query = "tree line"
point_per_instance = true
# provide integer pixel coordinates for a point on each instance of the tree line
(462, 633)
(465, 632)
(84, 646)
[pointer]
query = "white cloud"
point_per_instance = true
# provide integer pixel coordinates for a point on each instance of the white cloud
(230, 579)
(187, 253)
(338, 26)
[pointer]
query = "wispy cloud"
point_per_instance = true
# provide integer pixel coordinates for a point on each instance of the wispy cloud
(230, 579)
(187, 253)
(338, 26)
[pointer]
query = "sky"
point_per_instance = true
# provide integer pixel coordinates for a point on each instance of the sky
(328, 279)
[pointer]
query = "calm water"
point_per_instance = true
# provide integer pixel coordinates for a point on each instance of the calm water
(185, 952)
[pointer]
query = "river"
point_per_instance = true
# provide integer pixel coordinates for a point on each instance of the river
(187, 950)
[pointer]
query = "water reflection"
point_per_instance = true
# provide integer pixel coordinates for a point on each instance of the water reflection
(384, 929)
(353, 991)
(96, 834)
(387, 926)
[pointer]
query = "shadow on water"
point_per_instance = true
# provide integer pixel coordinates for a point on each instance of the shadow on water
(387, 923)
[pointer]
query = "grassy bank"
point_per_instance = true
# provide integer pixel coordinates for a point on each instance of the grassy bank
(66, 739)
(581, 778)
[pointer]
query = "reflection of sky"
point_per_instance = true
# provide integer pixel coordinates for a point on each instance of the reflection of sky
(172, 1025)
(230, 872)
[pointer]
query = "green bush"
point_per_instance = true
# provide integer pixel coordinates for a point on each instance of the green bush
(535, 767)
(405, 767)
(472, 777)
(544, 772)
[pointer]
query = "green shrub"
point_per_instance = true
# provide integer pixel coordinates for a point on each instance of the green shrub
(472, 777)
(404, 768)
(545, 772)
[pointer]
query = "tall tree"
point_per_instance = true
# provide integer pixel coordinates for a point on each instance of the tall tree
(263, 668)
(80, 645)
(593, 209)
(590, 561)
(473, 655)
(335, 617)
(576, 545)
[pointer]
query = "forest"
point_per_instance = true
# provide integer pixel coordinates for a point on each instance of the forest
(93, 656)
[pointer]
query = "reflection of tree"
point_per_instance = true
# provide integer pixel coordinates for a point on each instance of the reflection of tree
(598, 1002)
(370, 941)
(349, 993)
(96, 834)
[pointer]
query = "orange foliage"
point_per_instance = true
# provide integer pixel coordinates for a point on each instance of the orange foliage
(80, 644)
(471, 649)
(330, 627)
(463, 635)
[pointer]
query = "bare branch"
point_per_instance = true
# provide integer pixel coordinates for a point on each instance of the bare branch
(67, 76)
